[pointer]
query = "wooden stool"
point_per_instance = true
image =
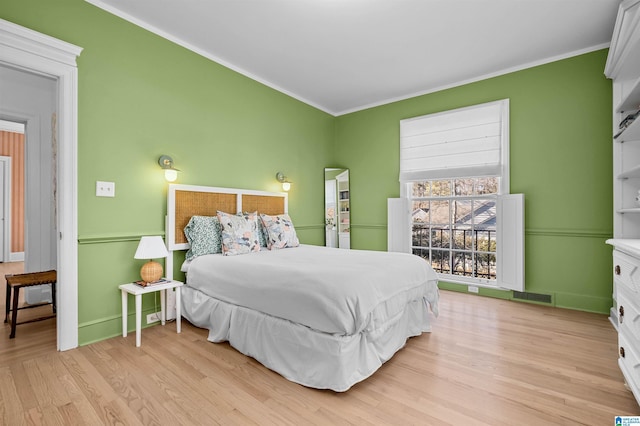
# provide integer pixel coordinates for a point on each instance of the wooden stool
(17, 281)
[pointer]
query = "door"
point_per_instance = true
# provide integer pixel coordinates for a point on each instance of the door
(330, 218)
(3, 219)
(5, 208)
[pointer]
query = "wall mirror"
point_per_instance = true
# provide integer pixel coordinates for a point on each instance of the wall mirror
(336, 207)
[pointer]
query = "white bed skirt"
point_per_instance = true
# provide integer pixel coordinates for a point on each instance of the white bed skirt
(299, 353)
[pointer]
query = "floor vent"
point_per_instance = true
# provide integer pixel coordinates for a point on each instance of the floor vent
(533, 297)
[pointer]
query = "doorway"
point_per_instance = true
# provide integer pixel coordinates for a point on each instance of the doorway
(39, 54)
(30, 99)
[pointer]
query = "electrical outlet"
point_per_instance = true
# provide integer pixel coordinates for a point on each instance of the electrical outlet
(473, 289)
(155, 317)
(105, 189)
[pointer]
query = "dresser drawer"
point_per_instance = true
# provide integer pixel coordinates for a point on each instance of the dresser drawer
(629, 316)
(626, 271)
(629, 363)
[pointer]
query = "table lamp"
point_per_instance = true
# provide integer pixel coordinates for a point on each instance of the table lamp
(151, 248)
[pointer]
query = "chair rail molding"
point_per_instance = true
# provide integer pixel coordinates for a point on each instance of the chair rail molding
(31, 51)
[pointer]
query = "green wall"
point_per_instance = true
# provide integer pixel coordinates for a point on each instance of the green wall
(560, 158)
(141, 96)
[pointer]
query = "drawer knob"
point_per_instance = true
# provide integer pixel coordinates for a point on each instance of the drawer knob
(621, 312)
(617, 269)
(621, 351)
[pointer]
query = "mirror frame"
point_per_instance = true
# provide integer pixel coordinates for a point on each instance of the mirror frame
(337, 223)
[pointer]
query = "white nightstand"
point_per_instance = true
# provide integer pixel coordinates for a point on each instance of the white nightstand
(138, 291)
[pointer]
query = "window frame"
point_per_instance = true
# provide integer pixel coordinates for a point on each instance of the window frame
(515, 208)
(451, 277)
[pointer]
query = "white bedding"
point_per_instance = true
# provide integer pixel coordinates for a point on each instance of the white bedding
(329, 290)
(322, 317)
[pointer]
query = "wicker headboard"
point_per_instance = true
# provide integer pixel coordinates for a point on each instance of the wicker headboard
(184, 201)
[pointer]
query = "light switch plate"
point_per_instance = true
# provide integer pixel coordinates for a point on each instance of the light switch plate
(105, 189)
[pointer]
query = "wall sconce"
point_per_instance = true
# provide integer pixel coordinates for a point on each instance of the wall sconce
(286, 185)
(170, 172)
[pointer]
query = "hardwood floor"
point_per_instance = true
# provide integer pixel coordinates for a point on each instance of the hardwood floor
(487, 362)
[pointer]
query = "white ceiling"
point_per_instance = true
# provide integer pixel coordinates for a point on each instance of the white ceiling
(345, 55)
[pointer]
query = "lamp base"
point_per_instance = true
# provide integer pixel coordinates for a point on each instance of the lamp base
(151, 271)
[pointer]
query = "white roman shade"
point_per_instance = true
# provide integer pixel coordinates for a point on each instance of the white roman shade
(465, 142)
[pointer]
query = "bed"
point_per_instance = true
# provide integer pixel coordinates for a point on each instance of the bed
(322, 317)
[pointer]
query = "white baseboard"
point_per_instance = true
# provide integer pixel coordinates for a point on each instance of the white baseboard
(16, 257)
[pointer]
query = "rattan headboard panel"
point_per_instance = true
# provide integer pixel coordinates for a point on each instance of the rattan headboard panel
(192, 203)
(263, 204)
(185, 201)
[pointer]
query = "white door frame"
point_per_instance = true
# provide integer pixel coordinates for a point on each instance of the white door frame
(6, 206)
(38, 53)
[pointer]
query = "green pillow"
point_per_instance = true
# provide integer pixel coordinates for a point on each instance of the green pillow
(203, 234)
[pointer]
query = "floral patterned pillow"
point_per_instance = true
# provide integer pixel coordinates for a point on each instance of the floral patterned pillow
(203, 235)
(239, 233)
(263, 237)
(280, 230)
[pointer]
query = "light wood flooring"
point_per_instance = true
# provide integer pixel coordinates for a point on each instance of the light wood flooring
(487, 362)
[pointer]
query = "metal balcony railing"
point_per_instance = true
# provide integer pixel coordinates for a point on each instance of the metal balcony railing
(467, 252)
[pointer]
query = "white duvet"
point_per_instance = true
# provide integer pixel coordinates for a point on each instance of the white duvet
(335, 291)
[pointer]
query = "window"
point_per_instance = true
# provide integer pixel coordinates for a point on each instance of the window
(453, 225)
(454, 176)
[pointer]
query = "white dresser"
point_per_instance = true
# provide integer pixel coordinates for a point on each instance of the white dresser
(626, 281)
(623, 68)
